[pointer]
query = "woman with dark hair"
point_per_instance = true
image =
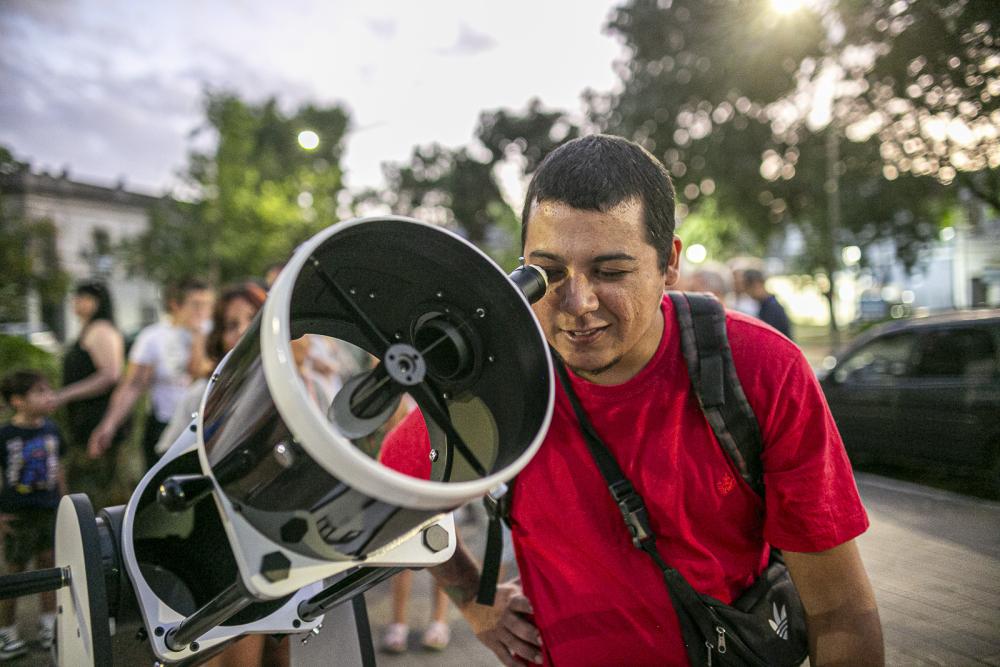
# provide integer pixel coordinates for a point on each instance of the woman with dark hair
(92, 367)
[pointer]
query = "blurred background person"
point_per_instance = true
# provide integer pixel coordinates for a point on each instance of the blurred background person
(711, 277)
(769, 310)
(31, 485)
(396, 635)
(158, 364)
(741, 300)
(234, 310)
(91, 368)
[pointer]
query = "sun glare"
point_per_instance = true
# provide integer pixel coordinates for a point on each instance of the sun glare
(787, 6)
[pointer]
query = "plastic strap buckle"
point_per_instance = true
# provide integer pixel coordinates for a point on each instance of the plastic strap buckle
(633, 510)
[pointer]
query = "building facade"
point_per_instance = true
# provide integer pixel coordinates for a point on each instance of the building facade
(89, 220)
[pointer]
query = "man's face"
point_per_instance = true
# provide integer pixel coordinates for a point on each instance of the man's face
(196, 308)
(602, 310)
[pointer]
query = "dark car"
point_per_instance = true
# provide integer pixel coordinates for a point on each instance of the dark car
(924, 391)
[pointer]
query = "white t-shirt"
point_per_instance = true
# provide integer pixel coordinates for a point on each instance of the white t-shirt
(167, 349)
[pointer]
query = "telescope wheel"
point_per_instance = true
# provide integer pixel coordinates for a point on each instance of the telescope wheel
(83, 633)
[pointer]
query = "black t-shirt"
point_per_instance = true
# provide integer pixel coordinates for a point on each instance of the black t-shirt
(30, 466)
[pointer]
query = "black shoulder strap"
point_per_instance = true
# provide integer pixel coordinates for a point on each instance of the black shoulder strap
(705, 346)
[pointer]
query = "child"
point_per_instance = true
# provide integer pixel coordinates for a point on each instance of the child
(32, 483)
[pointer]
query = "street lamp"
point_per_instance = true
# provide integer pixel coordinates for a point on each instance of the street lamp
(308, 139)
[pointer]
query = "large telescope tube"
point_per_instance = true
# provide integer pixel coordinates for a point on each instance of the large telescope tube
(446, 326)
(274, 506)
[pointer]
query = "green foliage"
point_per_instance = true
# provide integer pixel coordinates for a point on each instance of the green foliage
(18, 354)
(720, 90)
(934, 86)
(722, 235)
(259, 193)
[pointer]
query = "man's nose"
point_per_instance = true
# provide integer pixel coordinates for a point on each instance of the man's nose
(578, 296)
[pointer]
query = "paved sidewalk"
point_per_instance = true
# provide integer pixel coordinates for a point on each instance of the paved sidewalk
(934, 559)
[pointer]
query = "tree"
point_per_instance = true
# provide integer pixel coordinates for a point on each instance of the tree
(930, 90)
(728, 93)
(256, 194)
(28, 255)
(459, 187)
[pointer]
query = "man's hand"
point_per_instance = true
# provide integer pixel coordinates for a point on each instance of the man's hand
(504, 628)
(5, 521)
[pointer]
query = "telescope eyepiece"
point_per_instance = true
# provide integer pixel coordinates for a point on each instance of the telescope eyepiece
(531, 280)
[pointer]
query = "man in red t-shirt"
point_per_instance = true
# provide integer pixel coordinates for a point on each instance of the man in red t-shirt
(598, 218)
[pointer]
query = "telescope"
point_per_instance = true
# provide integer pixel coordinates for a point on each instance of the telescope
(273, 507)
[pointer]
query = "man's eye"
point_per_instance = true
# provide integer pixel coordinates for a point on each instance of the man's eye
(611, 274)
(554, 275)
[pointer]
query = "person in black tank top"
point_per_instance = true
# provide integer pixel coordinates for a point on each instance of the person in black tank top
(91, 369)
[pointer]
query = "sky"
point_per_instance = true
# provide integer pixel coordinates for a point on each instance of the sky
(112, 89)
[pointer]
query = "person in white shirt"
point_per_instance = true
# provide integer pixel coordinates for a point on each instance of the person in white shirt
(158, 363)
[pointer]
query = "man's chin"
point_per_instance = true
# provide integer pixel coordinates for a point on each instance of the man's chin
(589, 368)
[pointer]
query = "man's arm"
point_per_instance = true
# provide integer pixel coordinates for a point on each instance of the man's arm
(841, 614)
(137, 379)
(503, 627)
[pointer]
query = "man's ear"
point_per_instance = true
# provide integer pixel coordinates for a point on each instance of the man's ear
(673, 272)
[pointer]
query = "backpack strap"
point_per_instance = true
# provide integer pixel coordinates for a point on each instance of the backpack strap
(497, 505)
(709, 359)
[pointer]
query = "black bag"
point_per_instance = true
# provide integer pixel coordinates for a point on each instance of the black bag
(766, 624)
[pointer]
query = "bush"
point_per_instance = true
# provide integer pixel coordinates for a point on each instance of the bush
(17, 353)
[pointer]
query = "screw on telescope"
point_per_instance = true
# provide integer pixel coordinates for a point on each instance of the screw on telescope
(436, 538)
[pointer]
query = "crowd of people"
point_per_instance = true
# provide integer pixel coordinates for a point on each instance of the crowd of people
(598, 217)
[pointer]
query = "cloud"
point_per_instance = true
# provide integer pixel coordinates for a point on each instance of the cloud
(384, 28)
(469, 43)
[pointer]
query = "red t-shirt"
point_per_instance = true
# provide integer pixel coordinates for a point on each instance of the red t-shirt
(597, 599)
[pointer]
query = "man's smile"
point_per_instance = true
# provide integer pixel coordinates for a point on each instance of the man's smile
(583, 336)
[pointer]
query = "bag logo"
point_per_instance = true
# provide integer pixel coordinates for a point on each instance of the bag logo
(779, 621)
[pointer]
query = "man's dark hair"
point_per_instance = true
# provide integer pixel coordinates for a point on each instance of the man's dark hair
(100, 292)
(752, 277)
(598, 172)
(177, 292)
(19, 383)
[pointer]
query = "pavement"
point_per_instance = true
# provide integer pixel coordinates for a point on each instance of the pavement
(933, 557)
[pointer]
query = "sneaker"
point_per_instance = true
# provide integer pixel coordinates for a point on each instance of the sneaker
(394, 639)
(11, 646)
(437, 636)
(46, 632)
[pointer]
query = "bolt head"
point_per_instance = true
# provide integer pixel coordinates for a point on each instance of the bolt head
(294, 530)
(275, 566)
(436, 538)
